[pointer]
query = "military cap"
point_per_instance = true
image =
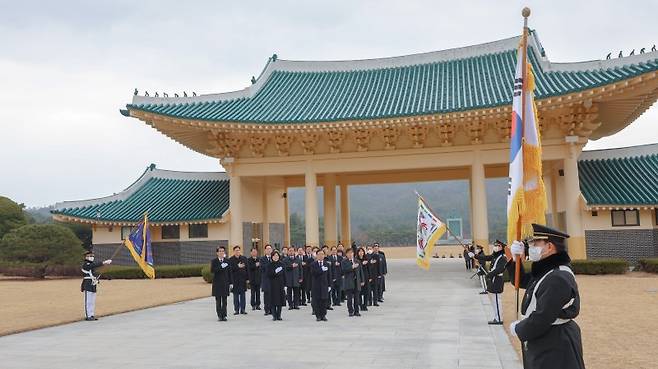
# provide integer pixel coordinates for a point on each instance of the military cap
(501, 243)
(88, 252)
(541, 232)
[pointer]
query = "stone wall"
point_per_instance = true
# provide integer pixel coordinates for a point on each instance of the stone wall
(165, 253)
(629, 244)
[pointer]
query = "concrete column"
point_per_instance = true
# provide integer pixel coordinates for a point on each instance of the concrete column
(235, 209)
(330, 228)
(311, 204)
(572, 209)
(345, 231)
(479, 221)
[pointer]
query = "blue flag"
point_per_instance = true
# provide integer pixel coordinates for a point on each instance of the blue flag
(139, 245)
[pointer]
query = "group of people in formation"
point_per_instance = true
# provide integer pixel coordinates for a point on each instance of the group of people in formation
(550, 337)
(322, 277)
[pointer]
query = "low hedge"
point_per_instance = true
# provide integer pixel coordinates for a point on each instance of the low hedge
(649, 265)
(205, 273)
(38, 270)
(163, 271)
(599, 266)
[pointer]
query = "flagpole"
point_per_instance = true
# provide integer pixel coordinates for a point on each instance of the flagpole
(524, 49)
(434, 213)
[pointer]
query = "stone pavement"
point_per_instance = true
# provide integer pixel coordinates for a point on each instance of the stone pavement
(431, 319)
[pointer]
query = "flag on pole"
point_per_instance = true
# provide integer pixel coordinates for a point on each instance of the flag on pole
(428, 231)
(139, 245)
(526, 197)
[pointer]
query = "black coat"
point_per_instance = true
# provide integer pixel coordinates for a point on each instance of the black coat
(221, 277)
(550, 345)
(239, 275)
(383, 267)
(365, 268)
(336, 271)
(306, 272)
(373, 266)
(293, 273)
(87, 282)
(264, 267)
(494, 278)
(253, 271)
(320, 282)
(352, 278)
(276, 283)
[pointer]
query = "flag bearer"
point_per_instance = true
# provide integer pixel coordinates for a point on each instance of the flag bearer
(495, 278)
(550, 338)
(90, 282)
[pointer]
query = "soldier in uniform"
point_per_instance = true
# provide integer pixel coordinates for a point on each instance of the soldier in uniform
(550, 338)
(221, 282)
(253, 267)
(240, 275)
(352, 282)
(90, 282)
(495, 281)
(482, 268)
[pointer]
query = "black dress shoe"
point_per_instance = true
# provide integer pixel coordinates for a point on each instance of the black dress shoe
(495, 322)
(375, 304)
(266, 313)
(380, 300)
(357, 314)
(253, 308)
(257, 307)
(351, 314)
(236, 313)
(274, 318)
(318, 319)
(330, 308)
(224, 319)
(365, 308)
(279, 318)
(243, 312)
(291, 308)
(324, 319)
(484, 293)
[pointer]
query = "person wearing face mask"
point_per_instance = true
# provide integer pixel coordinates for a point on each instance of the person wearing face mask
(550, 337)
(90, 282)
(496, 283)
(482, 268)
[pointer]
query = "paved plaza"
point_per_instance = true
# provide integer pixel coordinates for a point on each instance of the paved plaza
(431, 319)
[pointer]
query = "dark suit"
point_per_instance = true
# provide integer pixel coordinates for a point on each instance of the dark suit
(277, 283)
(365, 289)
(239, 276)
(352, 279)
(306, 275)
(293, 280)
(265, 283)
(320, 290)
(254, 281)
(383, 269)
(374, 274)
(336, 278)
(220, 284)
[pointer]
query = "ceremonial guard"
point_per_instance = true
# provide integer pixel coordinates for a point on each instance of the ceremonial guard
(321, 282)
(336, 276)
(240, 275)
(550, 338)
(221, 282)
(352, 282)
(253, 267)
(275, 273)
(482, 268)
(265, 280)
(90, 283)
(495, 281)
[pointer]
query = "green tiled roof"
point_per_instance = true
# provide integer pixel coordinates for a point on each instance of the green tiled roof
(169, 197)
(463, 79)
(620, 180)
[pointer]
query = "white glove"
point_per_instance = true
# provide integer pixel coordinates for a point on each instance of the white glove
(329, 289)
(278, 269)
(517, 248)
(512, 327)
(224, 265)
(108, 261)
(470, 255)
(324, 268)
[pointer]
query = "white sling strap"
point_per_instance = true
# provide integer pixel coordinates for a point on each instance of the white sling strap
(533, 301)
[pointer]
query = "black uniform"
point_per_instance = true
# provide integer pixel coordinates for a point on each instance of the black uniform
(220, 284)
(88, 286)
(495, 284)
(276, 276)
(320, 293)
(254, 282)
(240, 276)
(352, 280)
(550, 337)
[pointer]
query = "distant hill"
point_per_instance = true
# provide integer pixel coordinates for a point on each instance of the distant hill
(387, 213)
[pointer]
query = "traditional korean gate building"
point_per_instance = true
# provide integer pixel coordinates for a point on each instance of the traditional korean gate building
(423, 117)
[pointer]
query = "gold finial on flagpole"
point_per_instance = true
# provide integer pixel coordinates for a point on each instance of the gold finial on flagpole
(525, 12)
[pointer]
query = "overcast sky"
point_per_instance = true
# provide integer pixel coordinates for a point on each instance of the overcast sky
(67, 67)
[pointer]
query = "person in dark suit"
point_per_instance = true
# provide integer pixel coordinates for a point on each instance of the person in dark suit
(276, 275)
(383, 270)
(551, 338)
(221, 282)
(362, 257)
(321, 286)
(293, 278)
(306, 274)
(352, 282)
(336, 276)
(495, 281)
(90, 282)
(253, 267)
(373, 275)
(239, 275)
(265, 281)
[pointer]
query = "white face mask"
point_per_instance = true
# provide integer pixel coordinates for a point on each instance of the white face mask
(535, 253)
(496, 248)
(369, 251)
(90, 258)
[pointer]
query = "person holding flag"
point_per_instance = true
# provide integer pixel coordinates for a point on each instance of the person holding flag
(90, 283)
(550, 338)
(429, 228)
